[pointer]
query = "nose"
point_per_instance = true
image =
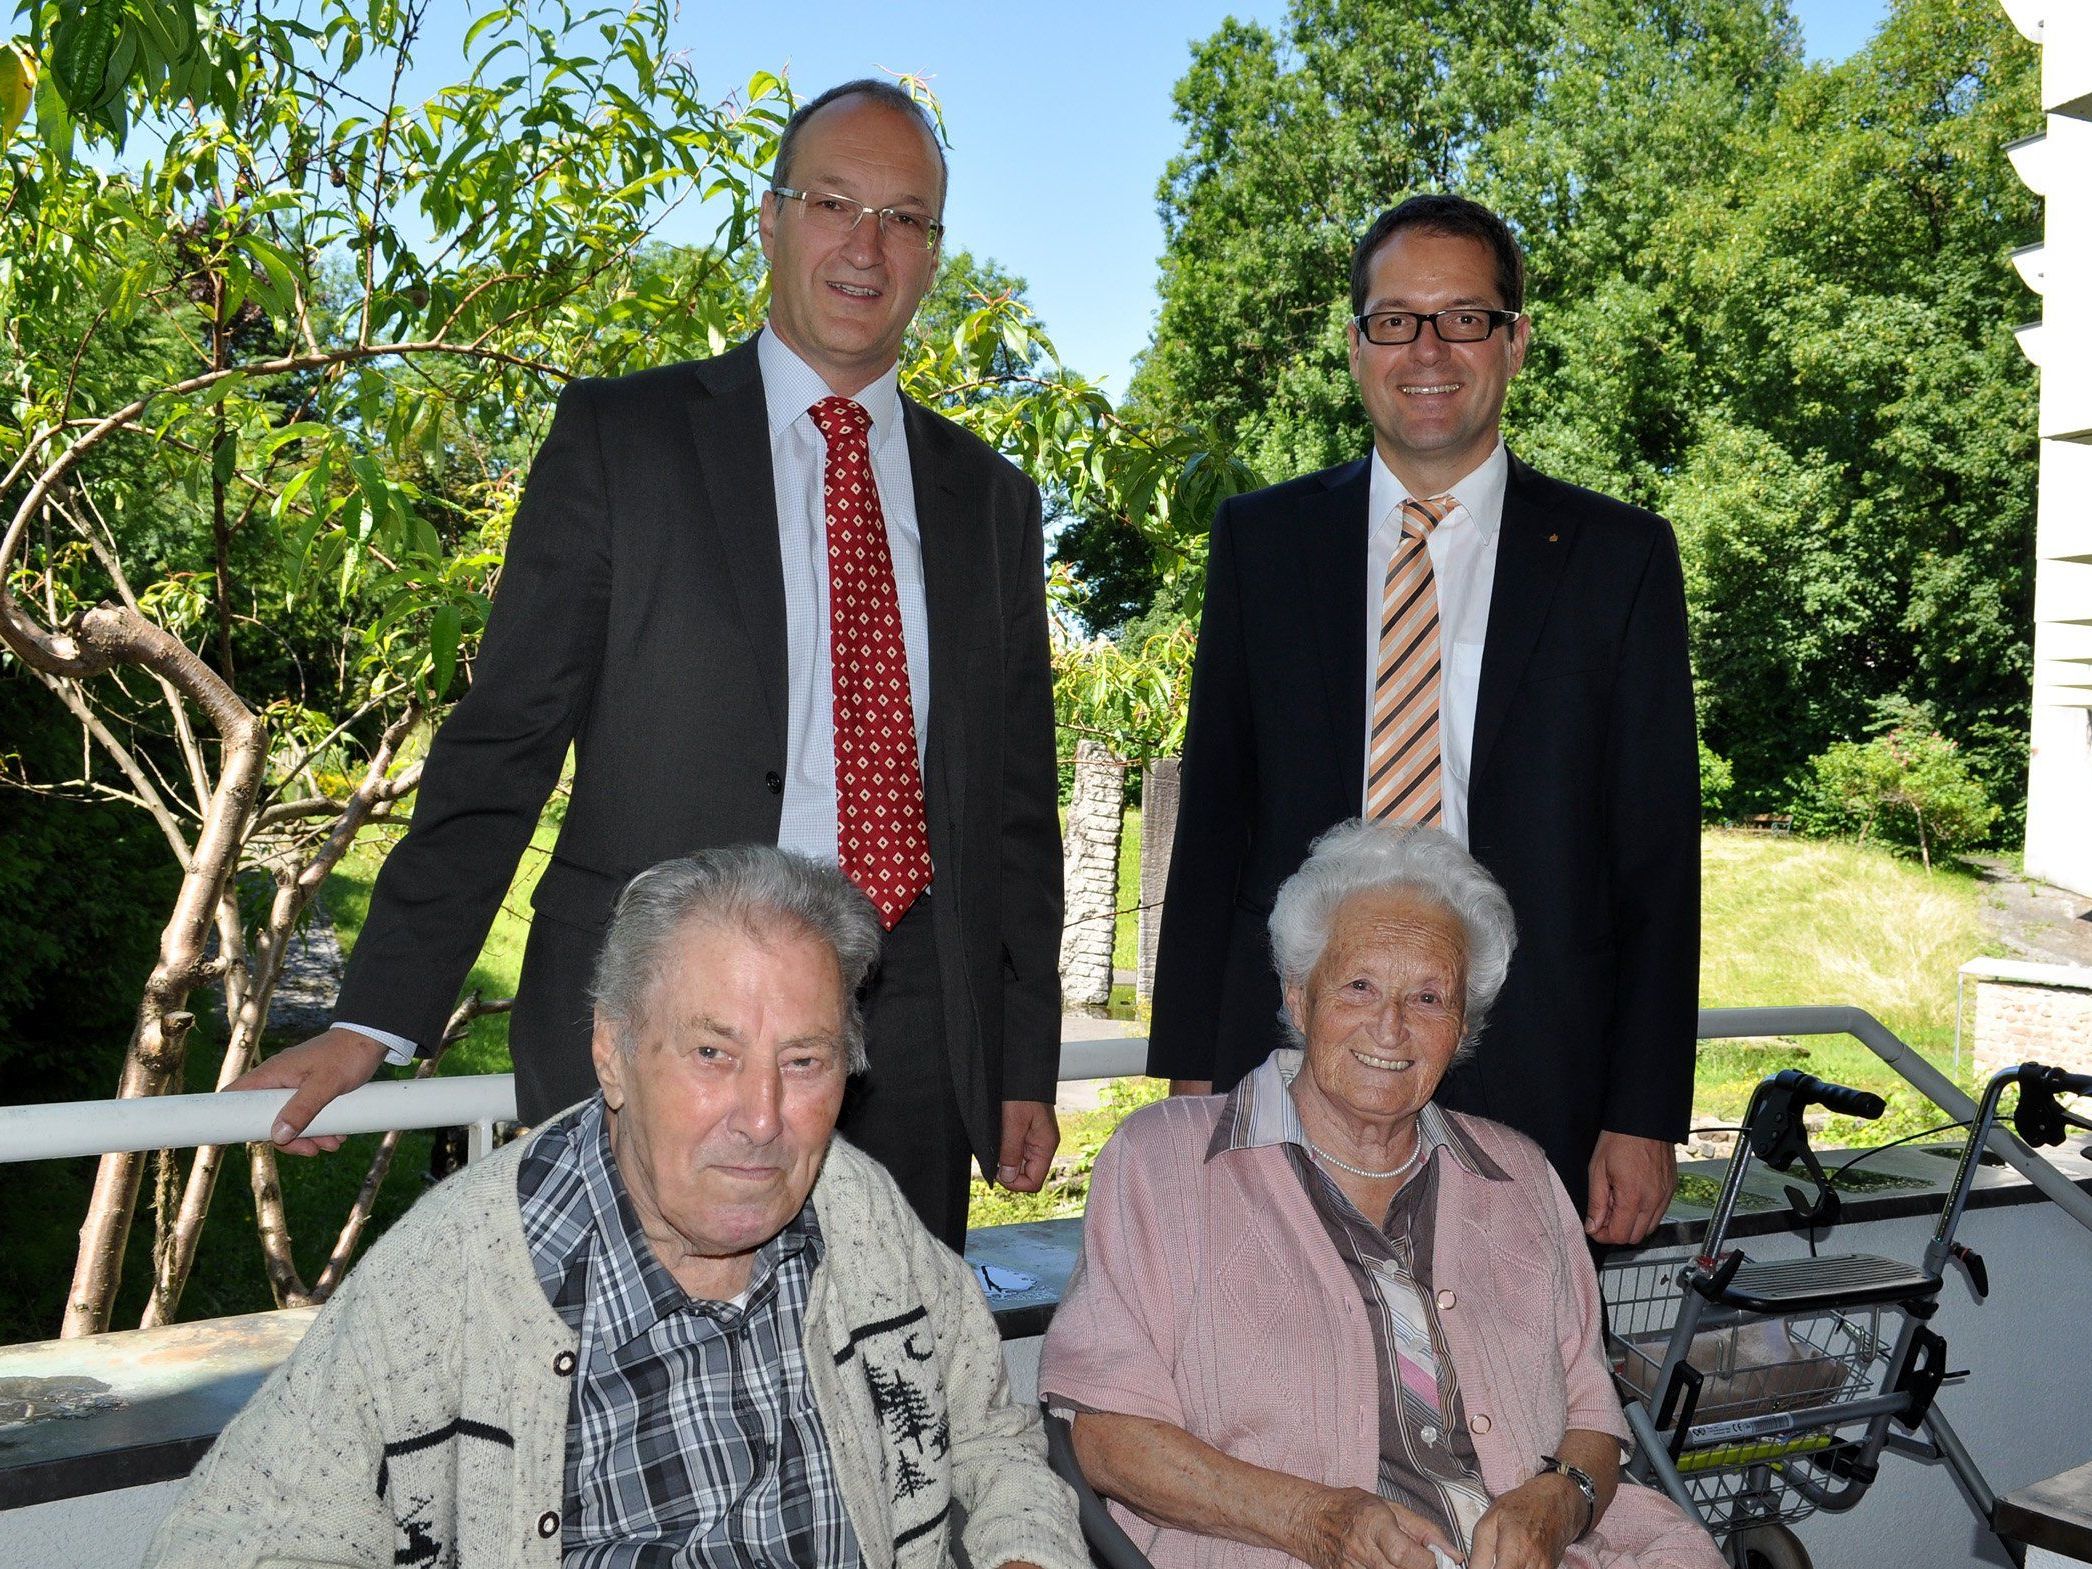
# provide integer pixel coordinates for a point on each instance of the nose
(864, 245)
(1428, 345)
(758, 1095)
(1387, 1023)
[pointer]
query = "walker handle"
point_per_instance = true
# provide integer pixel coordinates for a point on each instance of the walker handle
(1840, 1098)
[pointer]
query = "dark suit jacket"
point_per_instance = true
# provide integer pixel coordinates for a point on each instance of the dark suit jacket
(640, 619)
(1583, 799)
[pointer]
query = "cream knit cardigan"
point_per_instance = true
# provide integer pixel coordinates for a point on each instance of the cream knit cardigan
(423, 1419)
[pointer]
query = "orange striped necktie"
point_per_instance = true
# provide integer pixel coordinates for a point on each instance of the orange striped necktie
(1402, 776)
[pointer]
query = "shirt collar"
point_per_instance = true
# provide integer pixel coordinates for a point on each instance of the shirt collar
(633, 1288)
(1480, 492)
(791, 387)
(1260, 1112)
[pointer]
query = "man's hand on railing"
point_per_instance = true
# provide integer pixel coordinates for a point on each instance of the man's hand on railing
(331, 1063)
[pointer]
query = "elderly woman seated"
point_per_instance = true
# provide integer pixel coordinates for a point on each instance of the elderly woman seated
(1323, 1319)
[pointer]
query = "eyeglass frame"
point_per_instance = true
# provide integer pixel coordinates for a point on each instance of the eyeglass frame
(933, 228)
(1498, 317)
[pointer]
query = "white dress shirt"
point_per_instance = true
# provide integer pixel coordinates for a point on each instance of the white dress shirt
(1463, 567)
(798, 465)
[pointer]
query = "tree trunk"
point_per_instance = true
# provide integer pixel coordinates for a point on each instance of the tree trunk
(1160, 790)
(250, 985)
(1090, 857)
(153, 1063)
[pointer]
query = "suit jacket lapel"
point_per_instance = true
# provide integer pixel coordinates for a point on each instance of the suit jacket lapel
(1332, 561)
(1532, 549)
(948, 597)
(729, 424)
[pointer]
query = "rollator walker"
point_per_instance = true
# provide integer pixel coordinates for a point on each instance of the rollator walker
(1762, 1390)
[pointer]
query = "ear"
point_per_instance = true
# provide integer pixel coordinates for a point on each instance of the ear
(766, 223)
(1296, 1008)
(1351, 342)
(612, 1063)
(1521, 340)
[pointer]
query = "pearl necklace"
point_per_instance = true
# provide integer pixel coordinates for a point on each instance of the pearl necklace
(1372, 1176)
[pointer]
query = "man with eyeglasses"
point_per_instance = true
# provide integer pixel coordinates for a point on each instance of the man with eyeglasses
(764, 598)
(1440, 634)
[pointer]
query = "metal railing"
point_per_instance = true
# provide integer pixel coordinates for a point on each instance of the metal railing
(64, 1129)
(61, 1130)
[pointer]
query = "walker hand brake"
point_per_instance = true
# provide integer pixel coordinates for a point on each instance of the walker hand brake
(1972, 1261)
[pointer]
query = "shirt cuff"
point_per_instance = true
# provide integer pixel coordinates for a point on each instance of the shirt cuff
(399, 1051)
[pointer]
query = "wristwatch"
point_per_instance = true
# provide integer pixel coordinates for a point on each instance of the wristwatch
(1580, 1479)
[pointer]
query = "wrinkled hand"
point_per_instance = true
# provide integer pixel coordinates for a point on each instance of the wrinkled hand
(1631, 1183)
(1350, 1528)
(1030, 1135)
(1529, 1527)
(331, 1063)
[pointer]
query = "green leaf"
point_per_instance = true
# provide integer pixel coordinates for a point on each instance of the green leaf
(225, 461)
(445, 629)
(82, 48)
(17, 91)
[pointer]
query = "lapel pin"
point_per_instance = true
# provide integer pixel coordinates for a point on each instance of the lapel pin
(1552, 538)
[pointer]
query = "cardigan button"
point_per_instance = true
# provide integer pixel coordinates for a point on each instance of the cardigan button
(548, 1522)
(1446, 1299)
(563, 1364)
(1479, 1422)
(773, 781)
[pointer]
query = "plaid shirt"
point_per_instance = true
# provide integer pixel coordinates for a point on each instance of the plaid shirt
(1427, 1457)
(692, 1436)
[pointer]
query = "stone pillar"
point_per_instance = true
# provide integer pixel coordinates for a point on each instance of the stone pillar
(1090, 863)
(1161, 788)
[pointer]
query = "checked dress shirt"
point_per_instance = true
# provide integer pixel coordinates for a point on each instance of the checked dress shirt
(692, 1436)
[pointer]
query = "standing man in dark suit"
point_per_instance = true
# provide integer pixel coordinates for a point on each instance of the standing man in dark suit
(765, 598)
(1440, 634)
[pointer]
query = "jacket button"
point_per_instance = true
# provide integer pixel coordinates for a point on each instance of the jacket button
(563, 1364)
(773, 781)
(1446, 1299)
(1479, 1422)
(548, 1522)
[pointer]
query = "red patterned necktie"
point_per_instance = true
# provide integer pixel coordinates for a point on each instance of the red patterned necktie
(1402, 774)
(882, 839)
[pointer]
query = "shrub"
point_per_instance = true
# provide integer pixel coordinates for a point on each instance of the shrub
(1909, 784)
(1716, 780)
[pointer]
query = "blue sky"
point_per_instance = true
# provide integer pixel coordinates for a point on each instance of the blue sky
(1059, 117)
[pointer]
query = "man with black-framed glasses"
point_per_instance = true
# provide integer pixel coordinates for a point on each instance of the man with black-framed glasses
(1439, 634)
(765, 599)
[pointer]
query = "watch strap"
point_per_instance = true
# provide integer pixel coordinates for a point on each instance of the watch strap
(1580, 1479)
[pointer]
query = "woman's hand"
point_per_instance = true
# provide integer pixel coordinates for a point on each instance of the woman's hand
(1530, 1527)
(1348, 1528)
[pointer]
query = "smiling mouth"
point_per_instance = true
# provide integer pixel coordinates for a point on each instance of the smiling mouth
(1384, 1064)
(1435, 390)
(855, 291)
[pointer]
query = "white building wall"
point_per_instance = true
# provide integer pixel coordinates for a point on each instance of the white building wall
(2059, 770)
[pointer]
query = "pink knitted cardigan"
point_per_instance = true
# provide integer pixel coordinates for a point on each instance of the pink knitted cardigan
(1209, 1296)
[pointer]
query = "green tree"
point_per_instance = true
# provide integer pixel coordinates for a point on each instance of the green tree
(1772, 301)
(1857, 498)
(1579, 119)
(273, 392)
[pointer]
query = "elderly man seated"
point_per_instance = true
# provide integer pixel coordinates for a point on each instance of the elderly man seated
(680, 1324)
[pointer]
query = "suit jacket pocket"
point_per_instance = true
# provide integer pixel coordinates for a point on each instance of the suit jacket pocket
(577, 895)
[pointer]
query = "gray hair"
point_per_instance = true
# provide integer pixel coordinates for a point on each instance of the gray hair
(1367, 857)
(756, 887)
(879, 91)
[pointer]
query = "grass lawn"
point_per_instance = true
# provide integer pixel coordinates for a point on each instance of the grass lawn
(1810, 920)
